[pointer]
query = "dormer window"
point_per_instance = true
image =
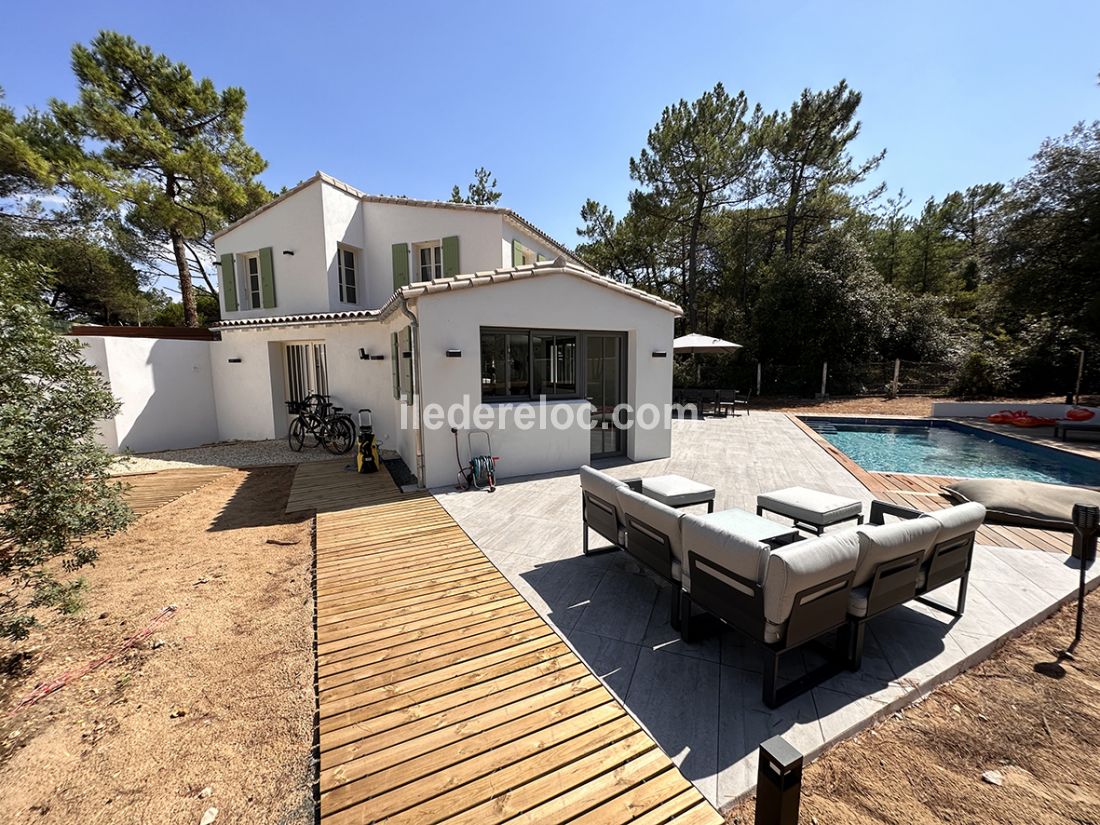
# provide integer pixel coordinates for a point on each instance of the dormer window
(346, 266)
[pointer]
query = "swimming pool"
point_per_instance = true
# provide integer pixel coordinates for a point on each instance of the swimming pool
(947, 448)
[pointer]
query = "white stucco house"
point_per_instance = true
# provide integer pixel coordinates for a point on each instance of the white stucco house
(402, 306)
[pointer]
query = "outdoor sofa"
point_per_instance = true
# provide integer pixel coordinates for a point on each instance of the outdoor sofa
(783, 597)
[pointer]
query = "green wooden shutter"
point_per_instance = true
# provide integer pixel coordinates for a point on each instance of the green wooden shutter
(229, 283)
(267, 278)
(517, 252)
(395, 359)
(450, 256)
(541, 257)
(400, 265)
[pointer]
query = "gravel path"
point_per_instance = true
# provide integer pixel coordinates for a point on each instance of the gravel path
(227, 454)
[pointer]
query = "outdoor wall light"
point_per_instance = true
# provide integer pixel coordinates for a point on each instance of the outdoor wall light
(378, 358)
(363, 354)
(235, 360)
(454, 353)
(660, 353)
(288, 251)
(407, 354)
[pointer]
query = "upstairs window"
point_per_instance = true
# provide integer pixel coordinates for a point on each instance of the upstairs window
(252, 280)
(346, 266)
(429, 261)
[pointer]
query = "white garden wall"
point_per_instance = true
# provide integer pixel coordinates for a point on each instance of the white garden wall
(980, 409)
(165, 390)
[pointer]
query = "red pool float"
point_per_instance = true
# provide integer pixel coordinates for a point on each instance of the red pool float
(1002, 417)
(1032, 421)
(1079, 414)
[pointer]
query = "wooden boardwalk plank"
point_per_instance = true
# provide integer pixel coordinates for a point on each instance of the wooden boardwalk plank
(443, 694)
(145, 492)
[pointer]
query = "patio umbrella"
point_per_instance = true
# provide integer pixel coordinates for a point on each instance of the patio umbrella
(695, 343)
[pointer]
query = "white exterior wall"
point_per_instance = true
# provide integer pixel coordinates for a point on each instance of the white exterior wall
(164, 387)
(453, 320)
(251, 394)
(980, 409)
(387, 224)
(512, 232)
(295, 224)
(344, 222)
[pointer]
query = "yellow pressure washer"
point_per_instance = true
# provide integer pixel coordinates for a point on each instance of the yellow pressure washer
(367, 459)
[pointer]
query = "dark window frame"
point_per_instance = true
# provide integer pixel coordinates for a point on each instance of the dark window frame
(349, 288)
(532, 393)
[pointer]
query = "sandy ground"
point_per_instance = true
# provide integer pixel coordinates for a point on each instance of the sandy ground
(220, 696)
(1035, 722)
(225, 454)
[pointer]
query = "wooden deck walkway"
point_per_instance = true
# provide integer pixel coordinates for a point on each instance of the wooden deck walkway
(326, 486)
(145, 492)
(444, 696)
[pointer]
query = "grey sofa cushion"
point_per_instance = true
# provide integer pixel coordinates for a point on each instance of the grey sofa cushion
(958, 520)
(602, 486)
(677, 491)
(1024, 503)
(709, 540)
(810, 506)
(661, 518)
(795, 567)
(886, 542)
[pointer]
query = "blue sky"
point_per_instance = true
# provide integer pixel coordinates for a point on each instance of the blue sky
(408, 98)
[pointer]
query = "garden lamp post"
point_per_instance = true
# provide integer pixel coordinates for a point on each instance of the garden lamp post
(1086, 528)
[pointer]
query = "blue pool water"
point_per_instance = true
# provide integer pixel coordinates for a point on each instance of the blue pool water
(944, 448)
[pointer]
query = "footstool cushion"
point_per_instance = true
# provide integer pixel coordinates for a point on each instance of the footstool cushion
(677, 491)
(810, 506)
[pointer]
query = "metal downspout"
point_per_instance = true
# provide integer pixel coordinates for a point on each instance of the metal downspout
(418, 392)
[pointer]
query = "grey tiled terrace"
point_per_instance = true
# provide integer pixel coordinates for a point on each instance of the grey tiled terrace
(701, 702)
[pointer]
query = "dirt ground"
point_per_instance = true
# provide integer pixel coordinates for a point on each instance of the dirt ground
(1019, 713)
(220, 696)
(920, 406)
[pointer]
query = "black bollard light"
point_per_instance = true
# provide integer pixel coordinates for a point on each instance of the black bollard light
(778, 783)
(1086, 528)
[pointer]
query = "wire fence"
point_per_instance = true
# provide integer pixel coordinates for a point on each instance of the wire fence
(880, 378)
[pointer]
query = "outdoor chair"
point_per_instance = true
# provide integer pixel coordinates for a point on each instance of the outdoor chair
(600, 508)
(779, 598)
(653, 539)
(907, 559)
(729, 400)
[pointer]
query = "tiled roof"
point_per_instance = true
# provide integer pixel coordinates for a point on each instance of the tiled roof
(508, 214)
(298, 320)
(459, 282)
(519, 273)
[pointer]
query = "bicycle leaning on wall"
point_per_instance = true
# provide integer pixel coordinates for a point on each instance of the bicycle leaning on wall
(317, 421)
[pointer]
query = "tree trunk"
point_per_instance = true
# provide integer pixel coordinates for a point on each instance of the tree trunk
(792, 213)
(187, 290)
(693, 265)
(179, 252)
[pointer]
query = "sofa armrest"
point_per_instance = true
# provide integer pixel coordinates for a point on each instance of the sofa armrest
(880, 509)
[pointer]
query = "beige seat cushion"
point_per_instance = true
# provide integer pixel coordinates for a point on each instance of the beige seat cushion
(677, 491)
(662, 519)
(810, 506)
(1024, 503)
(711, 541)
(957, 521)
(796, 567)
(602, 486)
(886, 542)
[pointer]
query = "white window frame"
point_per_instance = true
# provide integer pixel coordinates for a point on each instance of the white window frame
(434, 266)
(255, 296)
(341, 273)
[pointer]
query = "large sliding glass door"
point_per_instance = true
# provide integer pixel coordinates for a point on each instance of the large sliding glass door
(605, 389)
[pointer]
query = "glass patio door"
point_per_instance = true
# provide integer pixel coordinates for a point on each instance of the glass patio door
(306, 370)
(604, 388)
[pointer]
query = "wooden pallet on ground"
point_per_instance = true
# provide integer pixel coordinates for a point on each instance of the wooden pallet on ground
(145, 492)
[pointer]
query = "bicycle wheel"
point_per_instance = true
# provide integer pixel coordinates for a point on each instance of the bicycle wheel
(296, 435)
(338, 436)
